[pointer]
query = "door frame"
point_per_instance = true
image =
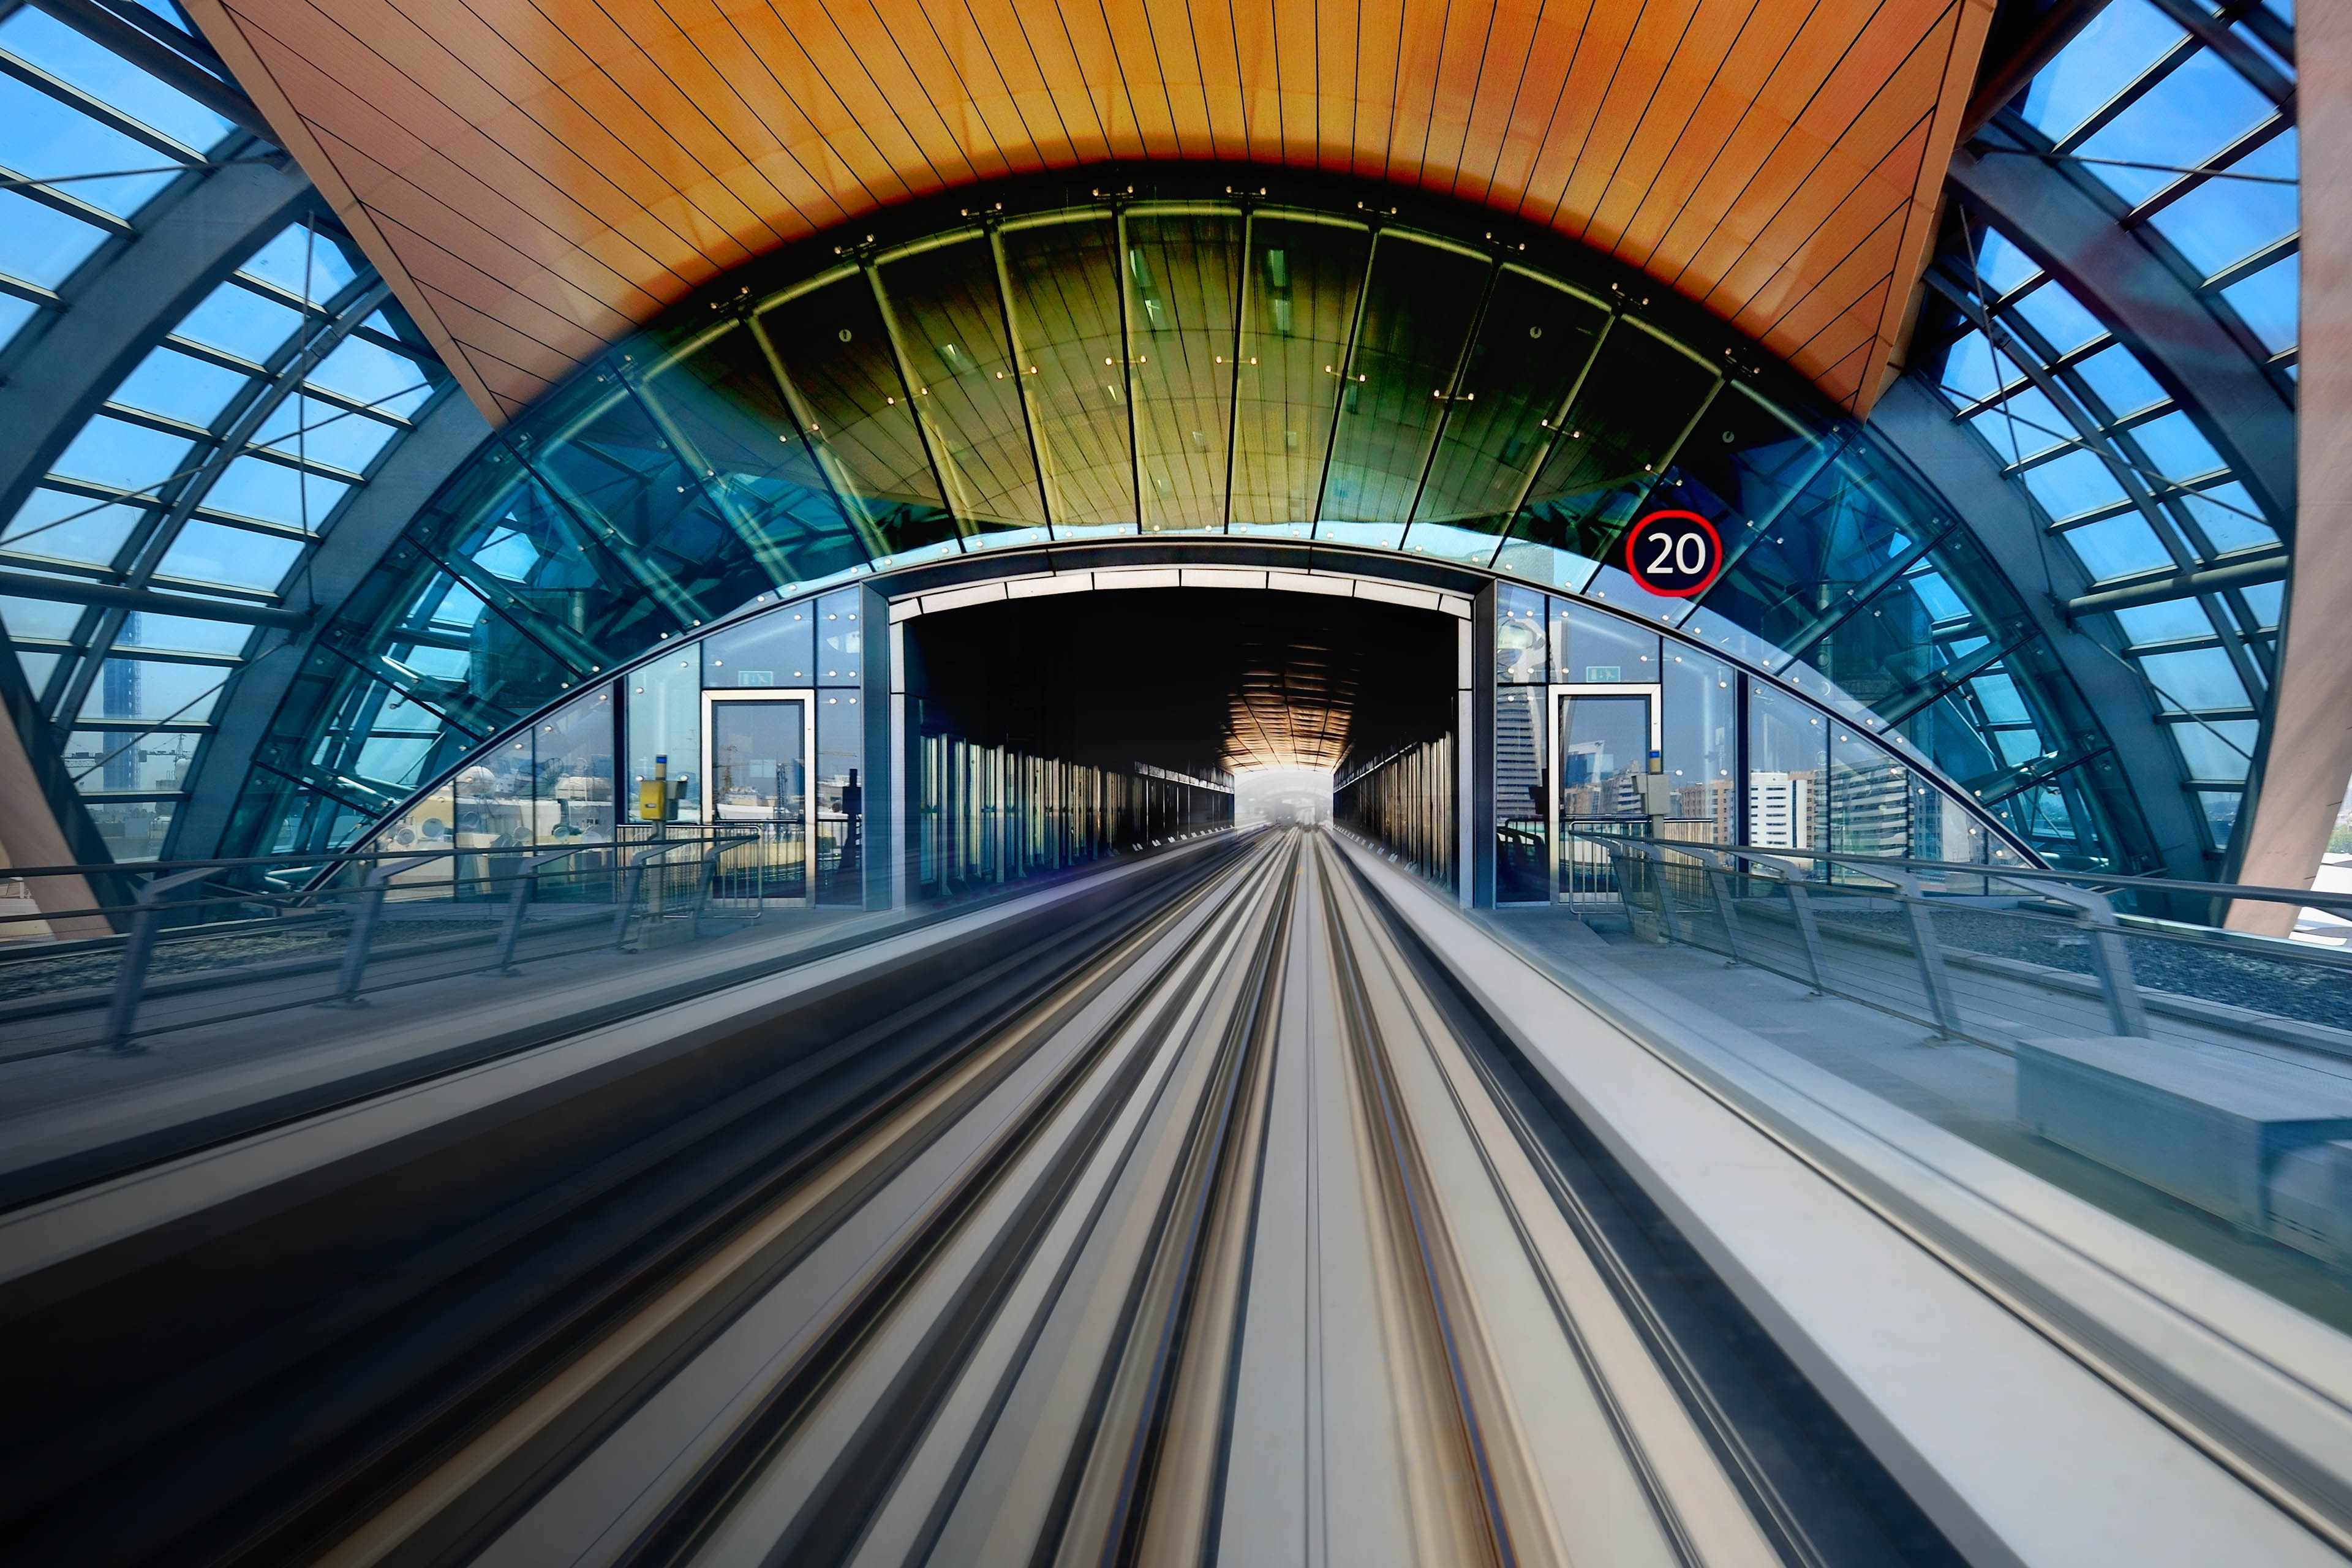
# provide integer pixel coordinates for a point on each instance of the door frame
(1653, 691)
(712, 699)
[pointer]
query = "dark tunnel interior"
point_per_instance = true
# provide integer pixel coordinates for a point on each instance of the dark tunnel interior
(1187, 679)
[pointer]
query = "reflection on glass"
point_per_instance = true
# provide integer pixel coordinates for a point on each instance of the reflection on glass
(1787, 757)
(1298, 311)
(949, 321)
(574, 770)
(1062, 281)
(1395, 386)
(663, 703)
(1181, 271)
(758, 769)
(1519, 825)
(1604, 749)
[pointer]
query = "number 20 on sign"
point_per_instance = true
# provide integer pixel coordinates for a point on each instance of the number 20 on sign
(1674, 554)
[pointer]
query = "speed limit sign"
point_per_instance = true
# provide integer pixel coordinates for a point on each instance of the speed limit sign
(1674, 554)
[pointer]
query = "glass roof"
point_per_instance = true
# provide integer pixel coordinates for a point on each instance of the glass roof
(1177, 367)
(218, 462)
(2185, 115)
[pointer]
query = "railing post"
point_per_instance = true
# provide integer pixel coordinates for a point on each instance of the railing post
(363, 924)
(130, 981)
(1933, 975)
(1669, 918)
(2126, 1010)
(1719, 876)
(1809, 935)
(631, 882)
(526, 884)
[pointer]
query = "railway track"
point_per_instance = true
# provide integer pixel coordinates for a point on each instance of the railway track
(1236, 1249)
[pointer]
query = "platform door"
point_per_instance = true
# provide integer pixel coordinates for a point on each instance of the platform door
(757, 747)
(1603, 740)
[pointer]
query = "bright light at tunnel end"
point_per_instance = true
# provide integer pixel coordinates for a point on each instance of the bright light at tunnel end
(1288, 796)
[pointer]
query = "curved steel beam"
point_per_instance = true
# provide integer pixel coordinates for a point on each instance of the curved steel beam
(1914, 421)
(2062, 227)
(447, 433)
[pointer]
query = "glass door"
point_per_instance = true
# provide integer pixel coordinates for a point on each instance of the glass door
(756, 749)
(1604, 739)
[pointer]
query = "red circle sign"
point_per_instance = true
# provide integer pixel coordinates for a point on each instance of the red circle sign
(1674, 554)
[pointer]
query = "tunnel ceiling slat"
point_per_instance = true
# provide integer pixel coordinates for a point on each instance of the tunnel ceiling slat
(534, 180)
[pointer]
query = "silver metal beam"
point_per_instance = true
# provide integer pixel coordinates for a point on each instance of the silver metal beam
(2180, 584)
(82, 591)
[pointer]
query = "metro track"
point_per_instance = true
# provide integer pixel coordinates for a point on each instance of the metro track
(1233, 1249)
(1219, 1228)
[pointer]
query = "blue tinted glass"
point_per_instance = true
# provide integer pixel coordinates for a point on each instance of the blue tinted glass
(129, 457)
(40, 617)
(373, 375)
(183, 634)
(282, 262)
(2072, 484)
(257, 487)
(42, 139)
(2266, 599)
(2229, 518)
(2117, 547)
(2224, 221)
(2120, 380)
(1938, 596)
(2124, 40)
(13, 313)
(238, 320)
(324, 433)
(65, 527)
(2217, 747)
(2195, 680)
(2022, 425)
(2175, 449)
(38, 668)
(2267, 302)
(2182, 121)
(1974, 371)
(2002, 265)
(2059, 317)
(108, 77)
(168, 382)
(150, 690)
(1996, 695)
(39, 244)
(2017, 747)
(234, 557)
(2174, 620)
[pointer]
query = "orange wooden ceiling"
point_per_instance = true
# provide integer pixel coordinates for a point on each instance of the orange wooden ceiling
(536, 178)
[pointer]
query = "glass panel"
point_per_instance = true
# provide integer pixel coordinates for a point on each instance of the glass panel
(1064, 299)
(128, 457)
(1417, 311)
(1640, 395)
(1870, 798)
(573, 756)
(128, 760)
(2117, 547)
(2217, 747)
(1702, 746)
(2122, 40)
(237, 320)
(663, 705)
(2120, 380)
(2061, 319)
(1787, 755)
(723, 409)
(1181, 270)
(152, 690)
(303, 262)
(2269, 303)
(758, 769)
(40, 245)
(840, 749)
(310, 431)
(496, 809)
(1298, 311)
(2224, 221)
(1519, 874)
(2180, 121)
(108, 77)
(951, 321)
(272, 493)
(1534, 343)
(778, 648)
(2072, 484)
(170, 382)
(832, 344)
(233, 557)
(1604, 749)
(1519, 636)
(1591, 645)
(64, 527)
(2195, 680)
(839, 643)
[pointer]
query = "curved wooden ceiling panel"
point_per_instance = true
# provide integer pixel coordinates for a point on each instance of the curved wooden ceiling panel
(536, 178)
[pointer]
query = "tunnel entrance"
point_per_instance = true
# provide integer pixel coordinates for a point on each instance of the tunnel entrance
(1039, 720)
